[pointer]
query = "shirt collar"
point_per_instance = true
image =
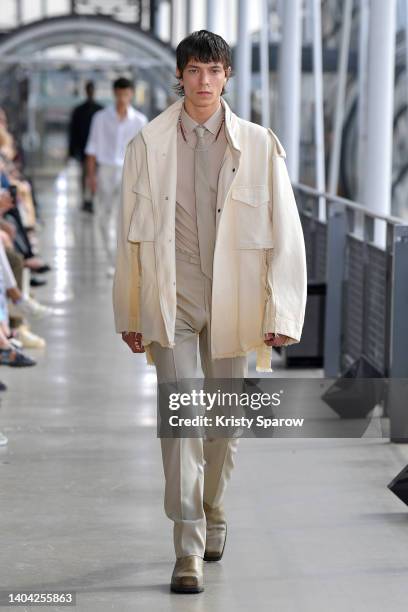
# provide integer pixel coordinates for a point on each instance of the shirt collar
(131, 112)
(212, 124)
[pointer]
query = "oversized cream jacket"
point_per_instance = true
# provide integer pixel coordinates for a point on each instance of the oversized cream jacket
(259, 271)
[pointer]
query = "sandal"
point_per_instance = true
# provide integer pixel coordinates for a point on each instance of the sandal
(15, 359)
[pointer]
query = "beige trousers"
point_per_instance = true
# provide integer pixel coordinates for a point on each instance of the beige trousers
(196, 470)
(107, 204)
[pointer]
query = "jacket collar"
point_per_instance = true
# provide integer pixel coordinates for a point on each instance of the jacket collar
(164, 126)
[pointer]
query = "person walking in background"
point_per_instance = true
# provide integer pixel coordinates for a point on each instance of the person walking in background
(111, 130)
(210, 252)
(79, 126)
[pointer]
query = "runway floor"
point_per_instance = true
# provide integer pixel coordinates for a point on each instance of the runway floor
(311, 524)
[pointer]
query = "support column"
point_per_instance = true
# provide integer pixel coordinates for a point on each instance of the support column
(243, 70)
(289, 79)
(380, 111)
(154, 17)
(318, 98)
(189, 16)
(264, 63)
(19, 13)
(210, 18)
(342, 72)
(362, 94)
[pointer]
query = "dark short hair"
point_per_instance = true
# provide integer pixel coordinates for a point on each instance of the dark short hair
(123, 83)
(202, 46)
(89, 86)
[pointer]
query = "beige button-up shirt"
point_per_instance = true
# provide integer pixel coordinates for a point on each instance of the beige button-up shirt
(186, 218)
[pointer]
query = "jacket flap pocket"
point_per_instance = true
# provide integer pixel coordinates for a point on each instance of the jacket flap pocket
(142, 189)
(254, 195)
(141, 227)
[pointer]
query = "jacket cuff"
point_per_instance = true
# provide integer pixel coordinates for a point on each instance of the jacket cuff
(127, 325)
(277, 324)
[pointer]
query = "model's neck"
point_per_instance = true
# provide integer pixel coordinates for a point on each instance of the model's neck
(122, 111)
(199, 113)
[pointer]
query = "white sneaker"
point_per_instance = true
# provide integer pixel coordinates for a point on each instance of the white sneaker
(28, 339)
(16, 343)
(3, 439)
(28, 307)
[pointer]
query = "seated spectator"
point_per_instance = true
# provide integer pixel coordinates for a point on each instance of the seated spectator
(21, 305)
(18, 251)
(9, 355)
(8, 154)
(20, 219)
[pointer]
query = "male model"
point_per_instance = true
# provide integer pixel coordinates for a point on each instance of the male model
(111, 130)
(210, 252)
(79, 126)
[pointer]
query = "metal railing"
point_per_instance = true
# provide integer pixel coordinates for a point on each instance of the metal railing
(366, 302)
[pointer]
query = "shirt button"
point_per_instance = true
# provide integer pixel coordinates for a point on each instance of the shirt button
(233, 169)
(219, 210)
(166, 197)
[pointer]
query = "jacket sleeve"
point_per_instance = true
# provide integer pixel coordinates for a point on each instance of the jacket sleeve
(126, 281)
(286, 261)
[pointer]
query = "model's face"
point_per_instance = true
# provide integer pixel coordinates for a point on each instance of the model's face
(123, 97)
(203, 83)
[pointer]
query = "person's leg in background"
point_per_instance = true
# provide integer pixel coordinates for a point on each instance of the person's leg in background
(108, 194)
(87, 203)
(104, 192)
(21, 240)
(9, 355)
(16, 261)
(18, 324)
(115, 210)
(26, 205)
(35, 200)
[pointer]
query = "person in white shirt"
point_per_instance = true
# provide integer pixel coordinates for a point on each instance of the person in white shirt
(111, 130)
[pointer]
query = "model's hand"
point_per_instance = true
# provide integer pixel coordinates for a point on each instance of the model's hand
(134, 341)
(271, 339)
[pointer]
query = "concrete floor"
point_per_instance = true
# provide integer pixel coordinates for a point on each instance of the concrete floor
(312, 525)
